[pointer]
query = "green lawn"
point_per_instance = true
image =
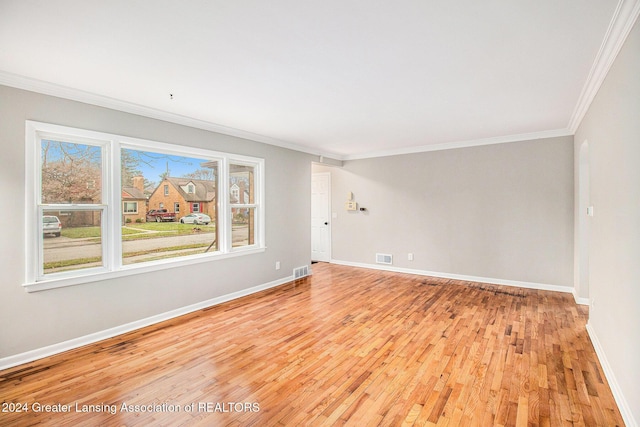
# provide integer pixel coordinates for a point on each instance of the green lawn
(147, 230)
(161, 226)
(152, 230)
(83, 232)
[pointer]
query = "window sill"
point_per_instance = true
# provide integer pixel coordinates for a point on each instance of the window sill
(130, 270)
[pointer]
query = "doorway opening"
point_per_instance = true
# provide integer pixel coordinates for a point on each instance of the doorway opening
(320, 217)
(584, 211)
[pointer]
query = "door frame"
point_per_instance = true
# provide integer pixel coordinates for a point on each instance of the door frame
(328, 210)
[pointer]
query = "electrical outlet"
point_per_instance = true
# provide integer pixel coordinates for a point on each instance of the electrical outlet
(277, 265)
(410, 257)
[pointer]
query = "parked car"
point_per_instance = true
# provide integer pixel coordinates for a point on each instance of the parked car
(196, 218)
(159, 215)
(51, 225)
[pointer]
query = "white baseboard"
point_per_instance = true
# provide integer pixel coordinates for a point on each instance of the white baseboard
(29, 356)
(623, 406)
(528, 285)
(580, 300)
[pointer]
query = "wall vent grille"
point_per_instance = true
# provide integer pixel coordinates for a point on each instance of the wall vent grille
(300, 272)
(384, 259)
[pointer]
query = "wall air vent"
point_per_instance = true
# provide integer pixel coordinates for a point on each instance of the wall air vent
(384, 259)
(300, 272)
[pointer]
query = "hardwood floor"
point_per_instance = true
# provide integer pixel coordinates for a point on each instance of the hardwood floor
(347, 346)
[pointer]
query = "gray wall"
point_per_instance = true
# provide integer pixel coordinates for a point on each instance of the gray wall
(611, 128)
(33, 320)
(498, 211)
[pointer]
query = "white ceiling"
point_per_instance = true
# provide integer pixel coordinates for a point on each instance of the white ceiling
(341, 78)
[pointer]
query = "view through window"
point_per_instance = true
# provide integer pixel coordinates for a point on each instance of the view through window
(242, 202)
(164, 183)
(71, 205)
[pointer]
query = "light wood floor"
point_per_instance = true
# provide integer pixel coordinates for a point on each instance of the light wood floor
(345, 346)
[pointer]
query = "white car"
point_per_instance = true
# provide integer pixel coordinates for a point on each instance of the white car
(196, 218)
(51, 225)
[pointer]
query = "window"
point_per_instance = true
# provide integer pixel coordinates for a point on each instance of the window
(130, 207)
(168, 235)
(77, 178)
(66, 165)
(242, 204)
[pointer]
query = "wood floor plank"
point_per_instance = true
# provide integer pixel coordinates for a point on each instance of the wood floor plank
(346, 346)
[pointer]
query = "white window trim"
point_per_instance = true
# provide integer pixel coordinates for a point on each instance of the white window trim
(112, 207)
(258, 165)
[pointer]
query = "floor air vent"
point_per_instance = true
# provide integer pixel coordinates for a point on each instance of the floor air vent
(384, 259)
(300, 272)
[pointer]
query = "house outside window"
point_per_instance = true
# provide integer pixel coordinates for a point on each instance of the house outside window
(166, 190)
(176, 207)
(190, 189)
(60, 161)
(235, 194)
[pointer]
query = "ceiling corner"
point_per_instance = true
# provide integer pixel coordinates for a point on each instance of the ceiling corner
(624, 18)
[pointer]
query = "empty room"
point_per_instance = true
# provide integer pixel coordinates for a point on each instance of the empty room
(320, 213)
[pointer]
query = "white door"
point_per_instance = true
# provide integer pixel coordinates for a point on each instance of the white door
(320, 208)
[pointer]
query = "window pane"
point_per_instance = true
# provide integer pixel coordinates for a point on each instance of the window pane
(72, 240)
(241, 184)
(242, 227)
(177, 204)
(71, 173)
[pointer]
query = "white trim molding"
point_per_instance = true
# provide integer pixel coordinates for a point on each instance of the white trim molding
(52, 89)
(46, 88)
(579, 300)
(30, 356)
(624, 18)
(623, 405)
(515, 283)
(462, 144)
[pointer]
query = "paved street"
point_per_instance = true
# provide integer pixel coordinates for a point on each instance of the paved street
(64, 248)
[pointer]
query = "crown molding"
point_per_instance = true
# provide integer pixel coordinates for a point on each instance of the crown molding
(39, 86)
(47, 88)
(622, 22)
(462, 144)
